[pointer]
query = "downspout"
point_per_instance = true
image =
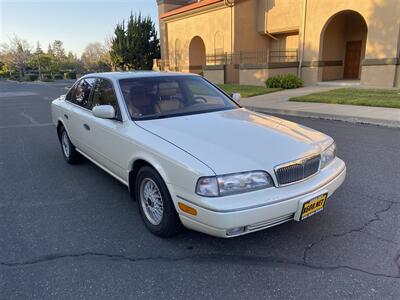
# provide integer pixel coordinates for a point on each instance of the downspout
(231, 4)
(303, 34)
(396, 70)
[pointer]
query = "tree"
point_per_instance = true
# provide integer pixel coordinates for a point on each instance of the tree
(136, 46)
(16, 54)
(72, 63)
(58, 49)
(42, 62)
(37, 59)
(96, 58)
(4, 69)
(49, 50)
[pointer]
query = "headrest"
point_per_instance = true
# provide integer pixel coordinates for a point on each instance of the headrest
(168, 89)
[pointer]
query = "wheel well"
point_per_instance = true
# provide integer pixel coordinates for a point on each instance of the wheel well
(59, 125)
(137, 165)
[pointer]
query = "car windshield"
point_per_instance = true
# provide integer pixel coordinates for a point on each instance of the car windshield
(169, 96)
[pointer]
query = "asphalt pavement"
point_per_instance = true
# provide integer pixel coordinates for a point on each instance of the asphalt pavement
(72, 232)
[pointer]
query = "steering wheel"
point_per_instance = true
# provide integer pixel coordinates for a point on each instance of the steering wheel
(199, 98)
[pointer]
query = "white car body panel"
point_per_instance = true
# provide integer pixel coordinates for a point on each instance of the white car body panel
(183, 149)
(252, 141)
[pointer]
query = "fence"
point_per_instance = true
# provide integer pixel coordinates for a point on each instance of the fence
(252, 57)
(238, 58)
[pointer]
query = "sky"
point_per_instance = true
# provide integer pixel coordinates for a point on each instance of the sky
(74, 22)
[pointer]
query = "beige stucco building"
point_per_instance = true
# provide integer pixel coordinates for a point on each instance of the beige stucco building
(246, 41)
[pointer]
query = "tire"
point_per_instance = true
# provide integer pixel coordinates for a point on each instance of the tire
(157, 211)
(68, 150)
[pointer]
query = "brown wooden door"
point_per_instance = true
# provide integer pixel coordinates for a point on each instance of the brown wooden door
(352, 60)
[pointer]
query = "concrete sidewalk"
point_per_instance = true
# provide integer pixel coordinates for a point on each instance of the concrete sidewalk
(278, 103)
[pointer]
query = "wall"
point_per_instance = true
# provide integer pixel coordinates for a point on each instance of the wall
(285, 42)
(382, 18)
(164, 6)
(283, 16)
(215, 74)
(247, 37)
(258, 76)
(207, 25)
(378, 75)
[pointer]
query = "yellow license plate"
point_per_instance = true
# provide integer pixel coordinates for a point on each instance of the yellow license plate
(313, 206)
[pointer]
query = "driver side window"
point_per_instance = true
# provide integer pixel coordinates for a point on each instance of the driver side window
(81, 92)
(104, 94)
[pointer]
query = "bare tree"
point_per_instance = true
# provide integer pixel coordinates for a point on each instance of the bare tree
(17, 53)
(95, 57)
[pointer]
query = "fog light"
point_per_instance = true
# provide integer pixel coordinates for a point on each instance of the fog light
(235, 231)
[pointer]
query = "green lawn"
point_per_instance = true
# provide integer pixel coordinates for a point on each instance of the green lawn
(351, 96)
(246, 90)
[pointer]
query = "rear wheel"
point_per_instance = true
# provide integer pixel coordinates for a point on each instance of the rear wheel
(155, 203)
(68, 149)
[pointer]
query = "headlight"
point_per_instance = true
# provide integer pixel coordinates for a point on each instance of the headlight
(328, 155)
(223, 185)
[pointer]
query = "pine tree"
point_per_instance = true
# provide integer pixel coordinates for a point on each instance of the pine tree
(135, 46)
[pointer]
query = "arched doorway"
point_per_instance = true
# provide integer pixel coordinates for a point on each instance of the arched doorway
(197, 55)
(343, 42)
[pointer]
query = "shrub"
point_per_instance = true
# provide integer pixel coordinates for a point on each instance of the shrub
(47, 80)
(288, 81)
(70, 75)
(58, 76)
(32, 77)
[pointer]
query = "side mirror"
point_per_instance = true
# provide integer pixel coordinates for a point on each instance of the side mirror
(237, 97)
(104, 111)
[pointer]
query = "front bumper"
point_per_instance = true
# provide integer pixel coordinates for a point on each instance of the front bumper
(260, 209)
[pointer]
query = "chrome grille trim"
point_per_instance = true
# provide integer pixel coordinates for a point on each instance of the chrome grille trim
(297, 170)
(270, 223)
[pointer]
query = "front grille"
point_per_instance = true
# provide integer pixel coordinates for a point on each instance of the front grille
(297, 170)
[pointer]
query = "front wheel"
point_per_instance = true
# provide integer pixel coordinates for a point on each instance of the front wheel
(155, 203)
(68, 149)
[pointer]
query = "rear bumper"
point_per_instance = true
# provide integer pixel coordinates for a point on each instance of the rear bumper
(279, 207)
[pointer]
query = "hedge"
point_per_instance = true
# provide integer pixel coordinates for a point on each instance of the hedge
(288, 81)
(70, 75)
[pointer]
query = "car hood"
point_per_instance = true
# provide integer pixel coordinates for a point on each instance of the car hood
(238, 140)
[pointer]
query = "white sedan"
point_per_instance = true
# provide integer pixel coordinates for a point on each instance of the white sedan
(191, 156)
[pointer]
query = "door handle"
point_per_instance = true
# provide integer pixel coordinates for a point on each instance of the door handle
(86, 126)
(66, 116)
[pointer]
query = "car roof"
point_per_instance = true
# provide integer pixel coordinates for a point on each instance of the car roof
(137, 74)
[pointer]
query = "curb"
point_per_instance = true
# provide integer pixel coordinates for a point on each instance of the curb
(360, 120)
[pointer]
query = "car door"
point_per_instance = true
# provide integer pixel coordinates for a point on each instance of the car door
(80, 112)
(107, 143)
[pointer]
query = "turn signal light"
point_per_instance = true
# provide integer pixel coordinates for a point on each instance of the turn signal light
(187, 209)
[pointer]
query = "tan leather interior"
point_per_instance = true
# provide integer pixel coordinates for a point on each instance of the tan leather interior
(168, 101)
(163, 106)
